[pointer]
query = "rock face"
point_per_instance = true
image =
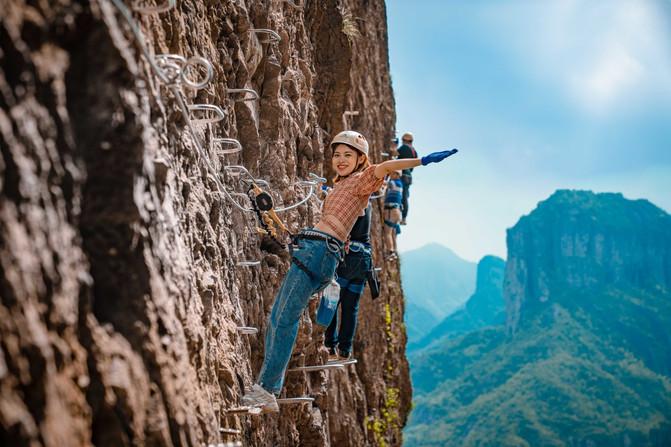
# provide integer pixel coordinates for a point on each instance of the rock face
(583, 240)
(120, 278)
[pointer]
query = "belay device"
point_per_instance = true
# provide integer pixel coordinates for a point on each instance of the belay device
(263, 206)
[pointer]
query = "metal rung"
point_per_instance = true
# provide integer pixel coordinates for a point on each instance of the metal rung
(207, 108)
(254, 97)
(165, 6)
(347, 113)
(171, 65)
(274, 37)
(316, 367)
(243, 410)
(306, 183)
(249, 263)
(385, 154)
(233, 171)
(178, 66)
(227, 141)
(247, 330)
(298, 5)
(378, 269)
(230, 431)
(258, 181)
(316, 178)
(239, 194)
(227, 444)
(194, 62)
(236, 170)
(342, 362)
(295, 400)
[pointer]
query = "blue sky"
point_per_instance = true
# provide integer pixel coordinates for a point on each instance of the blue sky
(537, 95)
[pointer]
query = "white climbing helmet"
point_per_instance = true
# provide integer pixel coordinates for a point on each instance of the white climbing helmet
(352, 139)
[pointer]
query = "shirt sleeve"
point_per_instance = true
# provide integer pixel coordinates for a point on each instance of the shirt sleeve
(367, 183)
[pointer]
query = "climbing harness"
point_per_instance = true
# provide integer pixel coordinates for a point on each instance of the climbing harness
(358, 247)
(263, 206)
(334, 246)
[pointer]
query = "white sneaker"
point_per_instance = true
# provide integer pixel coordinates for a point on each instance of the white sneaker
(259, 397)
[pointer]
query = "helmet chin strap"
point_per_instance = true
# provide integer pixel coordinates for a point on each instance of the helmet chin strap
(355, 167)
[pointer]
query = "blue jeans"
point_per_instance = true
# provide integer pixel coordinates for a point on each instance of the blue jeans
(352, 279)
(321, 259)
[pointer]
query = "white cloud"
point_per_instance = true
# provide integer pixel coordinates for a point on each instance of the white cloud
(607, 80)
(600, 53)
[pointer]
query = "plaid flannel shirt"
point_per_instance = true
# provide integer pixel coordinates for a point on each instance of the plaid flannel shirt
(348, 199)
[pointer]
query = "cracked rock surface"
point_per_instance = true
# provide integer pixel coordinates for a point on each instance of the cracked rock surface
(120, 284)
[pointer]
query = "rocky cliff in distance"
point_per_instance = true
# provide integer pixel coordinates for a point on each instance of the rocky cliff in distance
(580, 240)
(119, 277)
(436, 283)
(484, 308)
(585, 357)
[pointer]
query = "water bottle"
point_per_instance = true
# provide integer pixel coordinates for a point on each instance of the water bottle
(328, 303)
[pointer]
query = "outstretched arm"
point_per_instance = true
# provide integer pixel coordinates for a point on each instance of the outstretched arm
(386, 167)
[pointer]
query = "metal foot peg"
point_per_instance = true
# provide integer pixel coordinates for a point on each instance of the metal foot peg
(342, 362)
(163, 7)
(295, 400)
(244, 410)
(316, 367)
(272, 35)
(209, 113)
(247, 330)
(229, 431)
(253, 95)
(248, 263)
(223, 142)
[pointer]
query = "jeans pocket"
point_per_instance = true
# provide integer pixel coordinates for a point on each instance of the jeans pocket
(328, 267)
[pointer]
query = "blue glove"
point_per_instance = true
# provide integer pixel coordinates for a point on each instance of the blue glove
(436, 157)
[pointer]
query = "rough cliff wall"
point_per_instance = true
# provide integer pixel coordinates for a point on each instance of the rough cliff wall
(120, 278)
(580, 240)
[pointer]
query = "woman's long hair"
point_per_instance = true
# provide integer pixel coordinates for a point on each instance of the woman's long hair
(364, 162)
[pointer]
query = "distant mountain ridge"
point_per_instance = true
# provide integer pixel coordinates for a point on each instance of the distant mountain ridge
(585, 355)
(484, 308)
(435, 283)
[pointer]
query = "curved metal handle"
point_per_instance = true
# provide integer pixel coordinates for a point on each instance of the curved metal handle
(229, 141)
(194, 62)
(295, 400)
(171, 66)
(254, 97)
(207, 108)
(236, 170)
(177, 65)
(274, 37)
(316, 178)
(305, 199)
(298, 5)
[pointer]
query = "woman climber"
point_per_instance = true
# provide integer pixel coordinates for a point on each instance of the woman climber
(318, 252)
